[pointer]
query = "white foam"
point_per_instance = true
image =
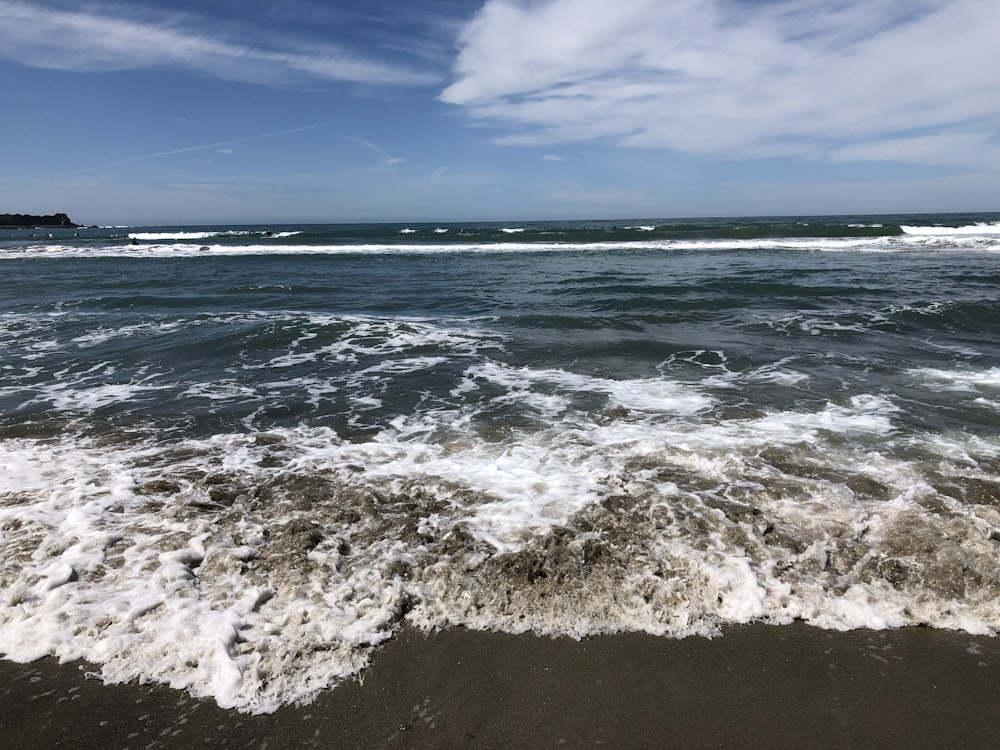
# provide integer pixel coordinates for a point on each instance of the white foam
(222, 390)
(159, 236)
(647, 395)
(927, 308)
(176, 559)
(369, 336)
(979, 228)
(775, 374)
(720, 376)
(201, 595)
(967, 242)
(960, 379)
(72, 397)
(100, 335)
(864, 416)
(184, 235)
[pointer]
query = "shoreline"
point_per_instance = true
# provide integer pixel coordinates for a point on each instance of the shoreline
(755, 686)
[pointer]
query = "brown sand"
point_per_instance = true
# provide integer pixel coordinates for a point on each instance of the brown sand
(757, 686)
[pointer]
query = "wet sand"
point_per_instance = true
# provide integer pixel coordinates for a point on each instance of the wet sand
(756, 686)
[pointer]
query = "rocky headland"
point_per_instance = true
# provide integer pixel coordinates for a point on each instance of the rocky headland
(39, 222)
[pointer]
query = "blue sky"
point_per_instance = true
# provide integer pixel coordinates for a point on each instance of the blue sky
(217, 111)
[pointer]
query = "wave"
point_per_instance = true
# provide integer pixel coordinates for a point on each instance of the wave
(837, 234)
(258, 568)
(979, 228)
(961, 379)
(208, 234)
(847, 234)
(260, 563)
(962, 242)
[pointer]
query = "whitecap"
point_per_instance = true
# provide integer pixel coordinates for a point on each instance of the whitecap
(979, 228)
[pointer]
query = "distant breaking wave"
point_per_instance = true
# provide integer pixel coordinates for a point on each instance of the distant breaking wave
(977, 228)
(931, 242)
(843, 234)
(204, 235)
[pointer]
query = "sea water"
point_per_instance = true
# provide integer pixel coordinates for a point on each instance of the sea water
(237, 459)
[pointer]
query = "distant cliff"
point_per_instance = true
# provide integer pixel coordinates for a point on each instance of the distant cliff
(27, 220)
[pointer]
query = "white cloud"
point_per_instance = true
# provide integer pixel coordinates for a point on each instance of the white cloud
(735, 78)
(553, 157)
(100, 40)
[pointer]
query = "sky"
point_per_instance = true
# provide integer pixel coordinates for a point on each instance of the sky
(253, 111)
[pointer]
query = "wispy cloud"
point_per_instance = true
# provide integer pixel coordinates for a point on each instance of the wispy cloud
(103, 38)
(553, 157)
(384, 156)
(221, 146)
(733, 78)
(435, 177)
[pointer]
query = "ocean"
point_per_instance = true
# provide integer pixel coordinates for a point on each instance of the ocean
(237, 459)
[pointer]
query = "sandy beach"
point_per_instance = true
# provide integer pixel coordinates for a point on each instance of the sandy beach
(756, 686)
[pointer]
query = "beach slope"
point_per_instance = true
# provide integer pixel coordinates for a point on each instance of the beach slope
(756, 686)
